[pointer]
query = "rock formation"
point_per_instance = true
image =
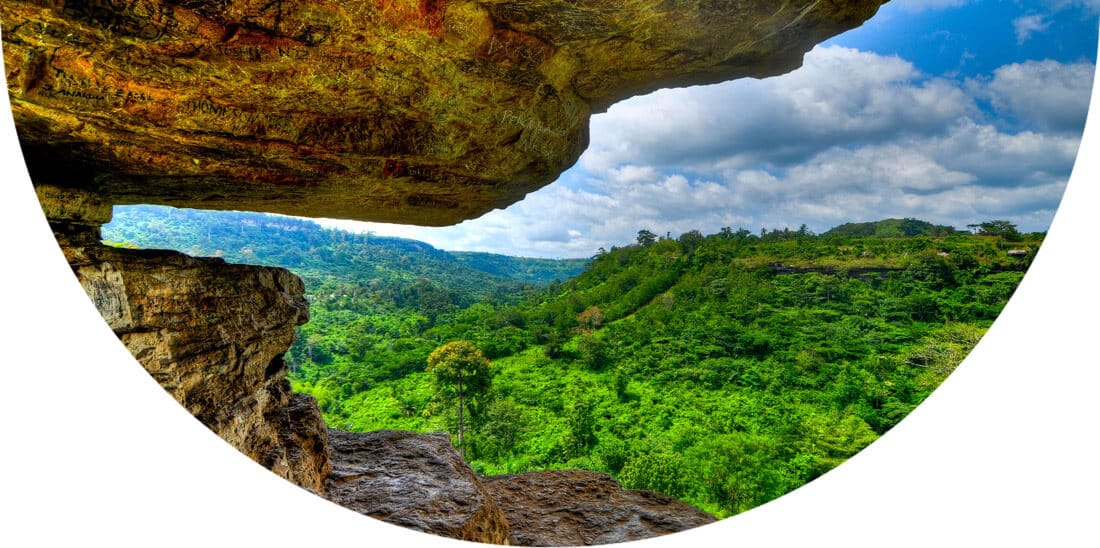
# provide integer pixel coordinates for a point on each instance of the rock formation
(411, 111)
(420, 481)
(417, 481)
(578, 507)
(212, 334)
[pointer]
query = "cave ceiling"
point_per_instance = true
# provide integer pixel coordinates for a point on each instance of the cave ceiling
(416, 111)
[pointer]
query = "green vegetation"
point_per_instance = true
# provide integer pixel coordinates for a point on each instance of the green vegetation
(891, 228)
(725, 370)
(392, 273)
(529, 270)
(461, 376)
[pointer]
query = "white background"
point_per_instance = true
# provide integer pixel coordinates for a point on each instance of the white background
(93, 452)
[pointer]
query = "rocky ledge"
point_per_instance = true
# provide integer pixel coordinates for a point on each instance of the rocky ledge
(578, 507)
(412, 111)
(413, 480)
(212, 334)
(419, 481)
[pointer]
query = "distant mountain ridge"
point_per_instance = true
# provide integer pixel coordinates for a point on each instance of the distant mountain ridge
(723, 370)
(306, 247)
(526, 269)
(891, 228)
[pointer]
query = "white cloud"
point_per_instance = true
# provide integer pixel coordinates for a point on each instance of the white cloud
(851, 136)
(1092, 6)
(1046, 95)
(1029, 24)
(840, 95)
(1003, 159)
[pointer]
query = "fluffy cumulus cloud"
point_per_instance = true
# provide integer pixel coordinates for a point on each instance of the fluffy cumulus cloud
(1046, 95)
(839, 96)
(851, 136)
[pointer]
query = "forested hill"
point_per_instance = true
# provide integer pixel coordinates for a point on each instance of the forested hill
(317, 253)
(538, 271)
(891, 228)
(724, 370)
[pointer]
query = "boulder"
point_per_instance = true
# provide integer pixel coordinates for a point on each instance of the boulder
(578, 507)
(413, 480)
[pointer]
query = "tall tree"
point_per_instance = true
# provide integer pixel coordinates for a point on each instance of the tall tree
(646, 237)
(997, 227)
(460, 373)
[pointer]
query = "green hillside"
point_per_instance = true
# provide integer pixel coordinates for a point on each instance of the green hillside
(891, 228)
(724, 370)
(320, 254)
(536, 271)
(371, 297)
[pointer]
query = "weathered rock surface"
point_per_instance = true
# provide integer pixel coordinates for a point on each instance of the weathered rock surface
(413, 480)
(578, 507)
(212, 334)
(413, 111)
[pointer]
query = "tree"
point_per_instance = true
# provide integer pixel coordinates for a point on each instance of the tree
(581, 423)
(997, 227)
(691, 240)
(589, 319)
(646, 237)
(593, 351)
(460, 373)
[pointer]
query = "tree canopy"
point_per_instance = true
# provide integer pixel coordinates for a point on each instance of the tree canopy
(999, 228)
(723, 369)
(460, 373)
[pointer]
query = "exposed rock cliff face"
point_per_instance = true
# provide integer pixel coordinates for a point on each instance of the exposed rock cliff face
(577, 507)
(212, 334)
(412, 111)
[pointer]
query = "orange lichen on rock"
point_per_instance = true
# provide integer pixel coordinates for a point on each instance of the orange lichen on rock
(296, 106)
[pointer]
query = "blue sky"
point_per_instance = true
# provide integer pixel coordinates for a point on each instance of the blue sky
(952, 111)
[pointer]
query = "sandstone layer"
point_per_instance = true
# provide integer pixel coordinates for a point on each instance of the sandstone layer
(579, 508)
(212, 334)
(412, 111)
(413, 480)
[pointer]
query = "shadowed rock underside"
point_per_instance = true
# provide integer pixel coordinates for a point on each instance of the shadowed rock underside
(411, 111)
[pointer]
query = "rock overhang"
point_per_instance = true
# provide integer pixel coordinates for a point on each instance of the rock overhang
(415, 111)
